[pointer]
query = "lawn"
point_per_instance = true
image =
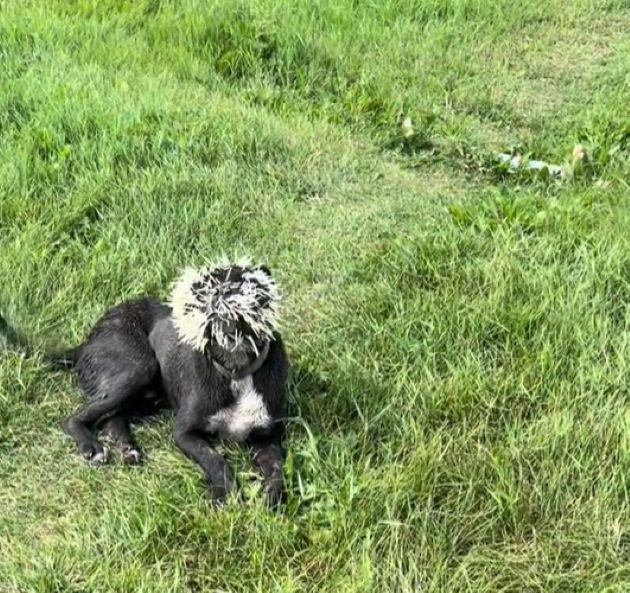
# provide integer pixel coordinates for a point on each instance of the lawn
(459, 333)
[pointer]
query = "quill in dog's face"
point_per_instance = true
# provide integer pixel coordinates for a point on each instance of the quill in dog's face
(228, 312)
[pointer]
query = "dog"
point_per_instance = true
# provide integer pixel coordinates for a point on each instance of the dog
(213, 354)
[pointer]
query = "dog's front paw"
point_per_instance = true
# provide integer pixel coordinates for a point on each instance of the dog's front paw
(274, 493)
(94, 453)
(220, 486)
(131, 455)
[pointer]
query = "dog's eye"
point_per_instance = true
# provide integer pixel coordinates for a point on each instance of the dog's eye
(262, 300)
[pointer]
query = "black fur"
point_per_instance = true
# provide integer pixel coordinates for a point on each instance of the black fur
(133, 359)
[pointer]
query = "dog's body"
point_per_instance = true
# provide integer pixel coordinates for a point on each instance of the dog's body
(227, 382)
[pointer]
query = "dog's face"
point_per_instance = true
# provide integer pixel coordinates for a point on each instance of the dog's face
(228, 311)
(231, 339)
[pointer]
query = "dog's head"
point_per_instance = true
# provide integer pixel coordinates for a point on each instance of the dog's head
(226, 310)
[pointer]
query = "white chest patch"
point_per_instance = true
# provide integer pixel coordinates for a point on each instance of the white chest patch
(246, 413)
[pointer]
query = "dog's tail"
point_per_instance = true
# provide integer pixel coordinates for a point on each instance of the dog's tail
(11, 338)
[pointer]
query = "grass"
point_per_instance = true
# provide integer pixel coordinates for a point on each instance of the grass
(459, 335)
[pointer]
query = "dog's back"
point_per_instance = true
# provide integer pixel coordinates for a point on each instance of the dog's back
(117, 353)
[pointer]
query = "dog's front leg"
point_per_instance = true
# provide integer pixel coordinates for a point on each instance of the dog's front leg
(268, 458)
(218, 474)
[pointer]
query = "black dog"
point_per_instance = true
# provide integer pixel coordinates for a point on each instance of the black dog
(213, 354)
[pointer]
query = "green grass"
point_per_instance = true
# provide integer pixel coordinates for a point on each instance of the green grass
(459, 336)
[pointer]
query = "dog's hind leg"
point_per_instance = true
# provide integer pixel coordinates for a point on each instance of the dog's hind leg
(118, 429)
(79, 427)
(113, 394)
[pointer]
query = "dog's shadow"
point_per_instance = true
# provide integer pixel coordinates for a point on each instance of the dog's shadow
(305, 386)
(329, 411)
(319, 402)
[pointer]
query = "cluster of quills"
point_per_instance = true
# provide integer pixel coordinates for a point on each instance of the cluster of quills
(211, 297)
